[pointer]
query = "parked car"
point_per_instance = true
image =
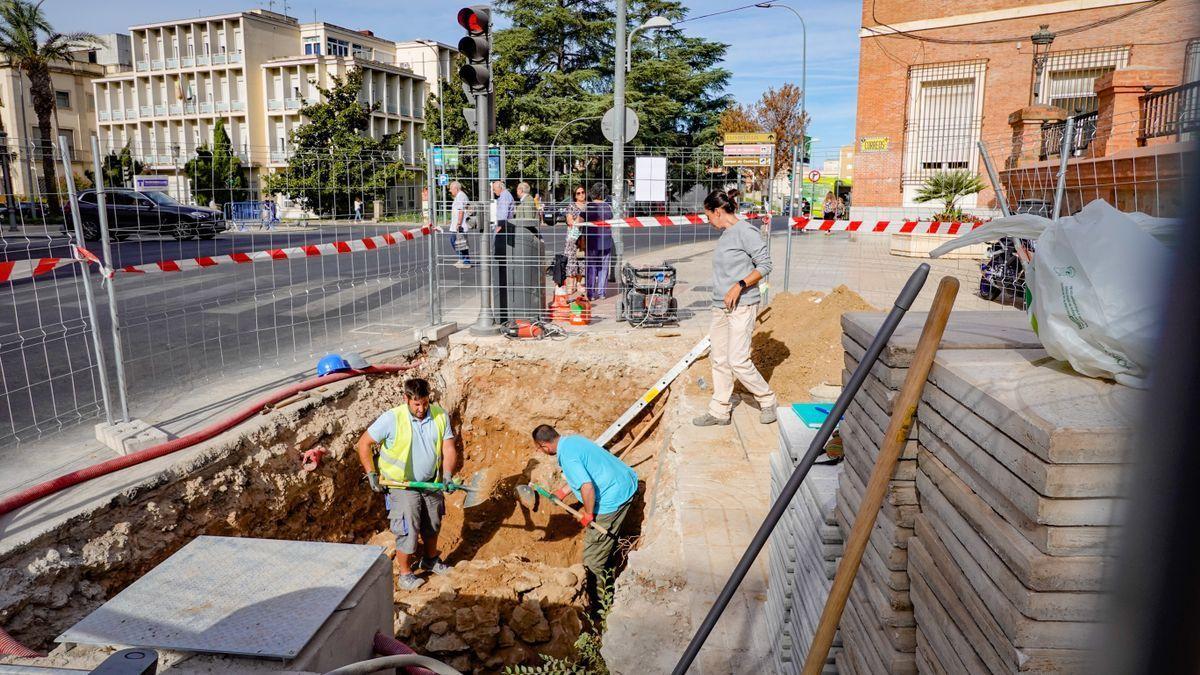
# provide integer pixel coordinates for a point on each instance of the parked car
(133, 212)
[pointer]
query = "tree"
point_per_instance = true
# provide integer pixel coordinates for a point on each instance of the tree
(334, 161)
(948, 187)
(737, 119)
(117, 169)
(31, 44)
(554, 63)
(778, 111)
(215, 173)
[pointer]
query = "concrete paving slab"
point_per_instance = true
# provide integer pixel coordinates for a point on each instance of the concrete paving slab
(1041, 404)
(999, 329)
(854, 440)
(1092, 511)
(941, 411)
(946, 635)
(1051, 588)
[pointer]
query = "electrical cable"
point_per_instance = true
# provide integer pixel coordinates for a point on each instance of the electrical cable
(1020, 38)
(723, 11)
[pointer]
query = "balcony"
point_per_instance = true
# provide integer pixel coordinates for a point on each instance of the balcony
(147, 111)
(1084, 132)
(219, 59)
(292, 104)
(177, 109)
(392, 109)
(237, 105)
(142, 66)
(206, 108)
(160, 110)
(279, 156)
(202, 60)
(172, 63)
(118, 114)
(1174, 112)
(235, 58)
(156, 64)
(189, 108)
(222, 106)
(275, 104)
(187, 62)
(103, 115)
(131, 113)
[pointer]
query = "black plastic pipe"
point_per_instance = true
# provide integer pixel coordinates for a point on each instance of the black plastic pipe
(903, 302)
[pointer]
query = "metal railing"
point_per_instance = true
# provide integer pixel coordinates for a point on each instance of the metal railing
(1085, 132)
(1171, 112)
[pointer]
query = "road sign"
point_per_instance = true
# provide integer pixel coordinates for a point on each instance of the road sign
(608, 124)
(749, 138)
(443, 179)
(451, 157)
(151, 183)
(814, 176)
(752, 160)
(755, 149)
(495, 163)
(439, 159)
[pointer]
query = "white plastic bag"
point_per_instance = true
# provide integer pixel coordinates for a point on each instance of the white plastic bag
(1096, 283)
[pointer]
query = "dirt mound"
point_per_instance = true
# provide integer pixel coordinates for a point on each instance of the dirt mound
(798, 345)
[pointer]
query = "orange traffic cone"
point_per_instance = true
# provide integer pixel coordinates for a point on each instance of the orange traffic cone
(560, 309)
(581, 312)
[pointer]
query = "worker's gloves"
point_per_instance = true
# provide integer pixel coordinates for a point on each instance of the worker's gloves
(586, 519)
(373, 479)
(450, 486)
(563, 492)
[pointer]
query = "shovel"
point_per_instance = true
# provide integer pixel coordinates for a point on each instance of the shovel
(528, 494)
(476, 495)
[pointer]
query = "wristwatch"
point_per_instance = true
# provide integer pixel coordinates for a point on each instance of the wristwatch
(742, 283)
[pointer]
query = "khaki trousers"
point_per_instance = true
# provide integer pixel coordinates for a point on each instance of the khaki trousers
(730, 333)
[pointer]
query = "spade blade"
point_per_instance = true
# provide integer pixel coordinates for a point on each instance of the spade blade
(528, 497)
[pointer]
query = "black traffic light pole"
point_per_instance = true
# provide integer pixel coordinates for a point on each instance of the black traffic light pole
(476, 75)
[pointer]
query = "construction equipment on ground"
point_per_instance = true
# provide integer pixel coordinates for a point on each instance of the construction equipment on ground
(648, 296)
(528, 494)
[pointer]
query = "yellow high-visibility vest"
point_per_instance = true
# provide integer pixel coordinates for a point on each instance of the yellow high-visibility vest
(395, 458)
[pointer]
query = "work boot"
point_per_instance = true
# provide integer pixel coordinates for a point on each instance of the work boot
(409, 582)
(767, 415)
(707, 420)
(434, 565)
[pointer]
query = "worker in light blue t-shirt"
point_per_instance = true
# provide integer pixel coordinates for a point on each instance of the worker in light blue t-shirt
(604, 484)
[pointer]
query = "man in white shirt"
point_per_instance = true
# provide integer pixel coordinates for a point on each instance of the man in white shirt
(458, 225)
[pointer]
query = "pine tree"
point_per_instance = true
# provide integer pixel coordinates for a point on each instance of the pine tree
(117, 168)
(334, 161)
(215, 173)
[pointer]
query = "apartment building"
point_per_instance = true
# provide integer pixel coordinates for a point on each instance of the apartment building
(74, 115)
(936, 77)
(254, 70)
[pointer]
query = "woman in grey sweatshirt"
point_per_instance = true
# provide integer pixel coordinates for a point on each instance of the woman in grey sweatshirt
(740, 261)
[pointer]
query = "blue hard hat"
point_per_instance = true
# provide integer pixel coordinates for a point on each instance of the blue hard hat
(331, 363)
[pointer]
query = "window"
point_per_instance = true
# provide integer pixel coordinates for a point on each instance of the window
(1068, 79)
(312, 45)
(91, 102)
(336, 47)
(945, 109)
(364, 52)
(92, 58)
(87, 198)
(1191, 61)
(62, 99)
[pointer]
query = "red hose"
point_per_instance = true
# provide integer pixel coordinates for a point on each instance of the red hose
(386, 645)
(10, 647)
(32, 494)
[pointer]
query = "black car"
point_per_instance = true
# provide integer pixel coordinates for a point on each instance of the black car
(133, 212)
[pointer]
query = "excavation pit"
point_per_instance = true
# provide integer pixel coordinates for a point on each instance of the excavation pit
(515, 593)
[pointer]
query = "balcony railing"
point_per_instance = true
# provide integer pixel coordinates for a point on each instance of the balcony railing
(206, 108)
(1171, 112)
(177, 109)
(222, 106)
(160, 110)
(235, 58)
(218, 59)
(279, 155)
(1085, 131)
(275, 104)
(118, 114)
(202, 60)
(147, 111)
(156, 64)
(104, 116)
(131, 113)
(292, 104)
(392, 109)
(142, 66)
(237, 105)
(172, 63)
(189, 108)
(187, 62)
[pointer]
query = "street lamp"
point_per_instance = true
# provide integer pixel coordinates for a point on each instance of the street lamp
(653, 23)
(553, 175)
(1041, 40)
(803, 70)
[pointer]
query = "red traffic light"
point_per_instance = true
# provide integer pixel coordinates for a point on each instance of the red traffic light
(477, 19)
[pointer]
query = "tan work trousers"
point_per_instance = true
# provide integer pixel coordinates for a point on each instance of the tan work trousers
(730, 333)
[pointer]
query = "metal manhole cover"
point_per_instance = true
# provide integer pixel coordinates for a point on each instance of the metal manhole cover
(231, 595)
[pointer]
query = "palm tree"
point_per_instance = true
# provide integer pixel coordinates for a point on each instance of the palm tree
(32, 45)
(948, 187)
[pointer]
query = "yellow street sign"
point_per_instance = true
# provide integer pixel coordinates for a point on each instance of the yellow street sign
(874, 143)
(749, 138)
(747, 160)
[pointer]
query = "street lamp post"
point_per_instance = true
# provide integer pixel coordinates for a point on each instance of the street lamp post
(803, 74)
(553, 175)
(653, 23)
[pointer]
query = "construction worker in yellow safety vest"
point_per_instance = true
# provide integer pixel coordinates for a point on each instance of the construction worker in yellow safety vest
(416, 443)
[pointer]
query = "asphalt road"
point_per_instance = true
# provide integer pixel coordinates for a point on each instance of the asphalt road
(197, 325)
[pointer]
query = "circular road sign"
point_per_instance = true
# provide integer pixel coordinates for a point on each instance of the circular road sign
(814, 176)
(608, 124)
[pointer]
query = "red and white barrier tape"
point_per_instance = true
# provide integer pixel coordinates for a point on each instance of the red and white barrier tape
(883, 226)
(13, 270)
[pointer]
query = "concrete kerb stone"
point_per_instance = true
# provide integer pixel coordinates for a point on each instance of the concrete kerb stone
(130, 436)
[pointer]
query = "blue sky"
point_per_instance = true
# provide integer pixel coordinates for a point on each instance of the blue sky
(764, 44)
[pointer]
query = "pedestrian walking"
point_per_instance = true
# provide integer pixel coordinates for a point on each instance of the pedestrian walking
(458, 225)
(358, 209)
(604, 484)
(829, 207)
(505, 206)
(740, 261)
(416, 443)
(525, 211)
(598, 244)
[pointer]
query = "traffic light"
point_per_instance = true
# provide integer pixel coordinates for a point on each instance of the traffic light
(476, 73)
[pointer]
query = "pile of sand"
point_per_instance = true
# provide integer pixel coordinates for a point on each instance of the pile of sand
(798, 344)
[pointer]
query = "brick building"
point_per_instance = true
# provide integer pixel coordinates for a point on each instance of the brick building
(936, 77)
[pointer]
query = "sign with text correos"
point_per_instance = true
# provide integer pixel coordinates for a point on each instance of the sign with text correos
(874, 143)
